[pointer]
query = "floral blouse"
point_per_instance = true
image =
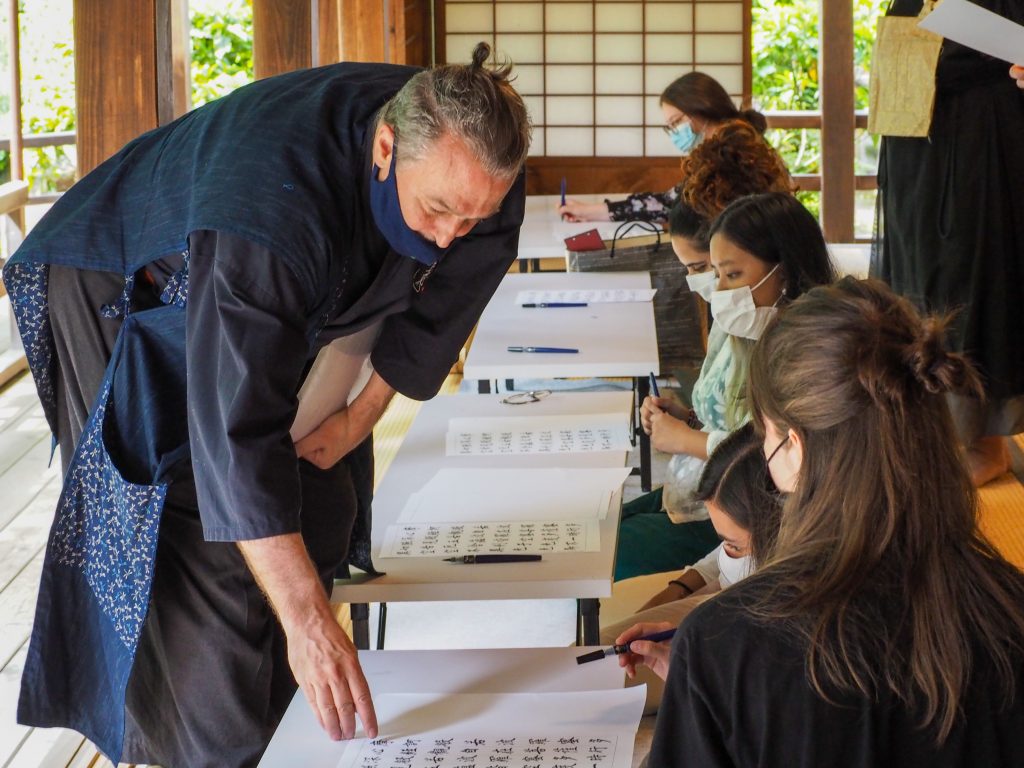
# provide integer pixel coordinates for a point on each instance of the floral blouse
(643, 206)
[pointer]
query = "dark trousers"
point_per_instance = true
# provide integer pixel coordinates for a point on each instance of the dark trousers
(211, 678)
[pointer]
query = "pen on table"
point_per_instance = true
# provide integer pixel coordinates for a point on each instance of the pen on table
(551, 304)
(481, 559)
(563, 195)
(548, 350)
(656, 637)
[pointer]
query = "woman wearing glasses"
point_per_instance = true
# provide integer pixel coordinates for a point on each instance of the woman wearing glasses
(884, 628)
(694, 107)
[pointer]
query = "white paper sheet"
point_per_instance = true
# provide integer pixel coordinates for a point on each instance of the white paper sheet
(473, 730)
(977, 28)
(511, 435)
(338, 375)
(501, 538)
(585, 295)
(463, 495)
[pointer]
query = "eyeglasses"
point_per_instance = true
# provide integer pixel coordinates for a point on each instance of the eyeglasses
(522, 398)
(672, 126)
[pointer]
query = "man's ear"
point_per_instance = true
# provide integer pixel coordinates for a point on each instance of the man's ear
(383, 150)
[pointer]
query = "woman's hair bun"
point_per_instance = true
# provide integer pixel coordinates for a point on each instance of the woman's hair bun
(937, 369)
(755, 118)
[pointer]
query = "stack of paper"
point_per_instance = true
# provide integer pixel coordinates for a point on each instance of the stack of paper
(510, 435)
(585, 295)
(530, 511)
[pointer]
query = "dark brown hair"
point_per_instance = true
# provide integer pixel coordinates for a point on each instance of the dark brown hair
(879, 565)
(699, 95)
(736, 479)
(733, 162)
(474, 102)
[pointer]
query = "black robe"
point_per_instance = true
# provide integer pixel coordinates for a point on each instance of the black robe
(952, 225)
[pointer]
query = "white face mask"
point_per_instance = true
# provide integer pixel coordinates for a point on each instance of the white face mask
(736, 313)
(703, 284)
(732, 569)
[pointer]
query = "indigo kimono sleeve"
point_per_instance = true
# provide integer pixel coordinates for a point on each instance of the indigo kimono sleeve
(246, 353)
(417, 347)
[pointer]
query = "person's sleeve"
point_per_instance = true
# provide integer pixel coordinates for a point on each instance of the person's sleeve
(417, 347)
(707, 566)
(643, 206)
(246, 353)
(687, 731)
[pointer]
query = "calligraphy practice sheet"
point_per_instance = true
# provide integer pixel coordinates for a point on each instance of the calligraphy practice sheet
(520, 537)
(473, 730)
(529, 511)
(511, 435)
(977, 28)
(585, 296)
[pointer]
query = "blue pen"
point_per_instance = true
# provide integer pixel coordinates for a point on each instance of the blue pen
(656, 637)
(654, 386)
(548, 304)
(549, 350)
(563, 190)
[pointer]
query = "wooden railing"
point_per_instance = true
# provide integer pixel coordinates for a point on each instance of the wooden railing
(13, 198)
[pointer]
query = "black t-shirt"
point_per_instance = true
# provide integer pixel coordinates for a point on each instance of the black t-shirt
(738, 695)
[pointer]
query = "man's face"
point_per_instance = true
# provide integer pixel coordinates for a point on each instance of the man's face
(444, 193)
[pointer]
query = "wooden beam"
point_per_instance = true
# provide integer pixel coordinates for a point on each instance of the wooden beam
(283, 36)
(837, 119)
(597, 175)
(115, 75)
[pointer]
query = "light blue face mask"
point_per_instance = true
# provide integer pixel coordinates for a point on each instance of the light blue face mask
(684, 138)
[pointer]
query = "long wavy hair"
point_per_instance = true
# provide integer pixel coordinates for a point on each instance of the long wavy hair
(879, 565)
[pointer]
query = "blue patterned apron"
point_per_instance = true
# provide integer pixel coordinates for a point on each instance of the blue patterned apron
(100, 556)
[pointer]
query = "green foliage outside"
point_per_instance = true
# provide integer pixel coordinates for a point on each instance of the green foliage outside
(785, 49)
(47, 92)
(221, 47)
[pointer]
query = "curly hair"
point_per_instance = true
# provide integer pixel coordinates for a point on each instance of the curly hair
(735, 161)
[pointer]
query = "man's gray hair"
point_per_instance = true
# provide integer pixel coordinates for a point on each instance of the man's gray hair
(471, 102)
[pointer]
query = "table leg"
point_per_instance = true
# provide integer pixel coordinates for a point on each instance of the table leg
(360, 613)
(642, 390)
(588, 630)
(381, 624)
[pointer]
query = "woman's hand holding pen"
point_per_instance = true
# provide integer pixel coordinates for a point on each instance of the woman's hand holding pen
(574, 210)
(652, 405)
(649, 654)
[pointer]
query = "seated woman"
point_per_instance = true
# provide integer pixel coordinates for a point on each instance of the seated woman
(694, 107)
(744, 507)
(765, 250)
(736, 162)
(884, 628)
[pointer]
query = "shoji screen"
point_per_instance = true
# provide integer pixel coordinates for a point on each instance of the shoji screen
(591, 72)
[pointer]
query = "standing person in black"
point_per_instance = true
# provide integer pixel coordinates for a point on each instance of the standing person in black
(884, 629)
(171, 305)
(952, 232)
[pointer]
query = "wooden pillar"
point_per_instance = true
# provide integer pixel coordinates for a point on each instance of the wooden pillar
(392, 31)
(173, 60)
(284, 35)
(838, 182)
(17, 158)
(115, 75)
